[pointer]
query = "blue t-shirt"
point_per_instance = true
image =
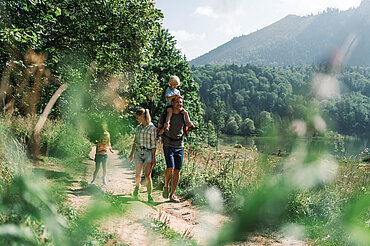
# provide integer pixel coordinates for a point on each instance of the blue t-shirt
(171, 92)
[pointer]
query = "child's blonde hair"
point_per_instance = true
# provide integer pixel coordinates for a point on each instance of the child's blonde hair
(105, 135)
(174, 79)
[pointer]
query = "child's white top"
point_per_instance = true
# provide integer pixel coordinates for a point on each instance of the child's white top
(171, 92)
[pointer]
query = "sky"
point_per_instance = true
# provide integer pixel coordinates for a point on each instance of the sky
(200, 26)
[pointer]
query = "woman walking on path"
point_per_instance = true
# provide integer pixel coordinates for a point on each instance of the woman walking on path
(143, 151)
(101, 156)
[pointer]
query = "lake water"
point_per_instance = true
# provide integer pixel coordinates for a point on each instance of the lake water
(347, 147)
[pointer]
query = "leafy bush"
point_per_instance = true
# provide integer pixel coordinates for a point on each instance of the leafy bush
(65, 140)
(13, 158)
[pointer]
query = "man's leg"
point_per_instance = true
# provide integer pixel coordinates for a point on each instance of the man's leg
(175, 181)
(168, 154)
(168, 176)
(178, 158)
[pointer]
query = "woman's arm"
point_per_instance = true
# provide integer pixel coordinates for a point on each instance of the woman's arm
(131, 157)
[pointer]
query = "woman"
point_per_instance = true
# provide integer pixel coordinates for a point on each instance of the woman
(143, 151)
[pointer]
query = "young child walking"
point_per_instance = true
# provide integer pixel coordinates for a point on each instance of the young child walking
(171, 93)
(101, 155)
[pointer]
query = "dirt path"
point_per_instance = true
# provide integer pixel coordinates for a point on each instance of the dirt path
(131, 228)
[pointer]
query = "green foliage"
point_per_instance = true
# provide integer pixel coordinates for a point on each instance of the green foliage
(112, 33)
(274, 96)
(24, 205)
(164, 61)
(13, 156)
(86, 43)
(65, 140)
(231, 126)
(247, 127)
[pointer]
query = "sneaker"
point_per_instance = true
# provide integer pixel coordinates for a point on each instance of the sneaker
(173, 198)
(93, 182)
(136, 192)
(150, 199)
(165, 192)
(105, 180)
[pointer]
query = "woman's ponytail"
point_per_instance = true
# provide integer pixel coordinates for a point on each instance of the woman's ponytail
(147, 116)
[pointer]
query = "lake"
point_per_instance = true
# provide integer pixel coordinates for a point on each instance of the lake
(346, 147)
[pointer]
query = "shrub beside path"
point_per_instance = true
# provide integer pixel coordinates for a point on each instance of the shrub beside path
(133, 226)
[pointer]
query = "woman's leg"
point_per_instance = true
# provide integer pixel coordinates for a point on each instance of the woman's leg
(138, 172)
(148, 177)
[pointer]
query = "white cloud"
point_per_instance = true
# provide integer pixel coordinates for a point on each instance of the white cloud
(188, 43)
(226, 17)
(183, 35)
(206, 11)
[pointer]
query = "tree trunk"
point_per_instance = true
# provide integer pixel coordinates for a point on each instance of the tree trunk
(40, 123)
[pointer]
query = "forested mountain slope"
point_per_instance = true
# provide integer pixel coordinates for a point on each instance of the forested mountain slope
(296, 40)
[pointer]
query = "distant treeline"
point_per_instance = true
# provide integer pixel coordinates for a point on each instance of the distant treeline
(243, 100)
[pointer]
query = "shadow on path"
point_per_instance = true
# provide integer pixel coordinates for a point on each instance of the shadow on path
(88, 191)
(51, 174)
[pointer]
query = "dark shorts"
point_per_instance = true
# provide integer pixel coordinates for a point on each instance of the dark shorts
(101, 159)
(174, 157)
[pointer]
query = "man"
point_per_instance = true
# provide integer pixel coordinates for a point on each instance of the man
(173, 148)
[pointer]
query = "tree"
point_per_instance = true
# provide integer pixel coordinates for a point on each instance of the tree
(111, 36)
(97, 47)
(231, 126)
(165, 60)
(247, 127)
(219, 116)
(211, 137)
(265, 123)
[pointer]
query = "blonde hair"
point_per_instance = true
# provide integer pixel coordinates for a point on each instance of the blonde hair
(105, 135)
(174, 79)
(144, 112)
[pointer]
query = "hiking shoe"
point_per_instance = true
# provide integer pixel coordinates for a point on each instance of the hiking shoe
(165, 192)
(105, 180)
(150, 199)
(173, 198)
(136, 192)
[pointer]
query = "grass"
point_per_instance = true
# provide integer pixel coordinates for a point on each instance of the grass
(331, 205)
(240, 174)
(168, 233)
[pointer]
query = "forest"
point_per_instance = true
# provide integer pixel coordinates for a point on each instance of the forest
(254, 96)
(72, 69)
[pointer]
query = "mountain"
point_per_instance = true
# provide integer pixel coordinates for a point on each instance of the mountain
(300, 40)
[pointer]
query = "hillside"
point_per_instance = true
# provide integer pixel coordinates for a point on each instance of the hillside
(296, 40)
